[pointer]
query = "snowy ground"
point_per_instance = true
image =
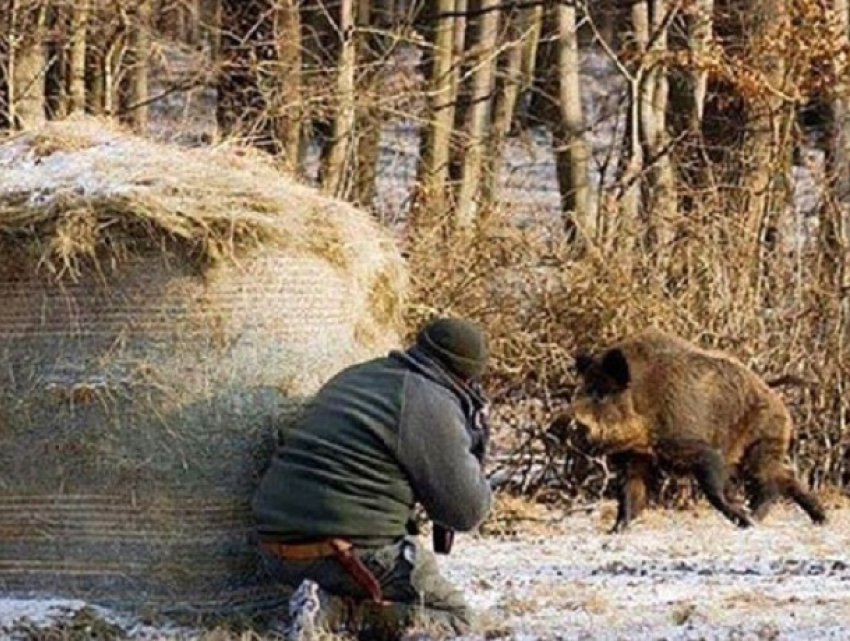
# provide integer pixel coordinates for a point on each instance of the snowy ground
(676, 575)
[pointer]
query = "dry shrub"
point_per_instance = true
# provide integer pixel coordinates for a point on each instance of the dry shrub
(513, 515)
(541, 302)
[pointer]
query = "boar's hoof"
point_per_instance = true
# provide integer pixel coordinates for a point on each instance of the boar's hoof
(742, 520)
(619, 527)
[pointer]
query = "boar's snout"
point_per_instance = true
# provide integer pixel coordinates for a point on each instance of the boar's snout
(567, 428)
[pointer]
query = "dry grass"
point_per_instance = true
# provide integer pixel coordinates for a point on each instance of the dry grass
(541, 302)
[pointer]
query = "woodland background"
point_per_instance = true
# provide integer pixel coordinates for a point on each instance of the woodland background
(563, 172)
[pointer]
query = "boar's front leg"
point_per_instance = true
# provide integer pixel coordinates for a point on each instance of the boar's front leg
(711, 474)
(631, 492)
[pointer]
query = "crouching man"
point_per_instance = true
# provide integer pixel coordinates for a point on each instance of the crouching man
(334, 507)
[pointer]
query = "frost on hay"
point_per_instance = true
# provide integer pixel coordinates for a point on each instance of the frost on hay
(165, 314)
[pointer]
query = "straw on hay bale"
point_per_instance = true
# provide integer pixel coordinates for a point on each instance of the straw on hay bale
(164, 312)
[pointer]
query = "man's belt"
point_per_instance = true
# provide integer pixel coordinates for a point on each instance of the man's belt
(341, 549)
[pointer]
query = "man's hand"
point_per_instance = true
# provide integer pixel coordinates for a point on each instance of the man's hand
(480, 434)
(442, 539)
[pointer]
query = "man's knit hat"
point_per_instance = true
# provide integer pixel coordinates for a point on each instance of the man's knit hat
(458, 344)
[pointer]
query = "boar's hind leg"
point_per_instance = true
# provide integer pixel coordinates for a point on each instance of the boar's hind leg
(711, 474)
(771, 478)
(792, 488)
(631, 494)
(778, 480)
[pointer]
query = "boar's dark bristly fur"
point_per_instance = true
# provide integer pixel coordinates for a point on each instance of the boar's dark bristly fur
(654, 401)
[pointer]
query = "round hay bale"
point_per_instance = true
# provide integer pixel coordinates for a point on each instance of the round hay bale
(165, 312)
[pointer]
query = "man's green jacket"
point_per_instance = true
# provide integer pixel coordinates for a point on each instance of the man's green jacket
(377, 438)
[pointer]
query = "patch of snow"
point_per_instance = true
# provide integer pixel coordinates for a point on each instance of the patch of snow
(43, 613)
(674, 575)
(39, 612)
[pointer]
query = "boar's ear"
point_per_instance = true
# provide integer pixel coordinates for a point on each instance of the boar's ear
(583, 360)
(615, 365)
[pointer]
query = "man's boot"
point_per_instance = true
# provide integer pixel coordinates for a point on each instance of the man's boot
(305, 606)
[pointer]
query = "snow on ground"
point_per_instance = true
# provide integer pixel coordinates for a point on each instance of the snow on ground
(675, 575)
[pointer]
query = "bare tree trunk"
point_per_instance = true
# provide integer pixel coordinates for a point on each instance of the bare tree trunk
(56, 79)
(134, 81)
(647, 176)
(289, 116)
(659, 192)
(435, 140)
(835, 214)
(77, 56)
(338, 157)
(632, 159)
(700, 37)
(530, 45)
(376, 17)
(687, 102)
(572, 152)
(113, 35)
(368, 150)
(508, 85)
(95, 61)
(28, 62)
(461, 93)
(192, 23)
(478, 116)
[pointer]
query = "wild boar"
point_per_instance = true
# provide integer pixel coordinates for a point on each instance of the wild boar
(654, 401)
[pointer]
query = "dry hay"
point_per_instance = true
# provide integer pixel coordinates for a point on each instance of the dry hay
(82, 190)
(165, 314)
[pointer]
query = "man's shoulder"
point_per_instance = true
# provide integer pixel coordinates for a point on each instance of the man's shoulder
(424, 392)
(375, 364)
(381, 373)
